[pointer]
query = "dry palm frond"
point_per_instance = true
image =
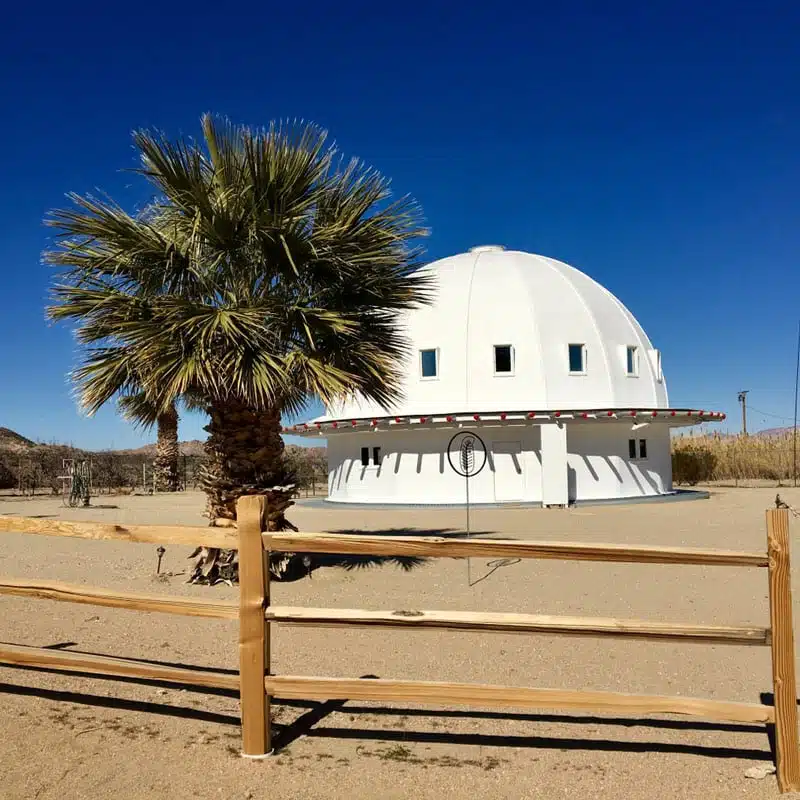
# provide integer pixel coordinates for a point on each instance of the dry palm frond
(212, 566)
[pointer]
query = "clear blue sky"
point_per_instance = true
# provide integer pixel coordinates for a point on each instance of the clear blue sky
(653, 145)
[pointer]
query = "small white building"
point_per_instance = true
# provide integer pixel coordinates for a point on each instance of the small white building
(546, 366)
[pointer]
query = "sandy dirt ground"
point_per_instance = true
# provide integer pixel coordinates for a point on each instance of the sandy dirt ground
(64, 736)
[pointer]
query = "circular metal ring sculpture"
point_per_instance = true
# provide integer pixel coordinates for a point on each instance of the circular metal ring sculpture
(466, 454)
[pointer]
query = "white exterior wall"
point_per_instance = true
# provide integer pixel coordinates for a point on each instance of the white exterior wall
(414, 468)
(599, 466)
(538, 306)
(555, 485)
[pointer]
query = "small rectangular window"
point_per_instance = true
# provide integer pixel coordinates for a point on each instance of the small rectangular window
(365, 456)
(632, 361)
(577, 359)
(503, 359)
(429, 363)
(632, 452)
(376, 456)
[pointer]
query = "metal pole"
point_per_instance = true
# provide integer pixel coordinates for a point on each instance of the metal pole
(469, 564)
(794, 431)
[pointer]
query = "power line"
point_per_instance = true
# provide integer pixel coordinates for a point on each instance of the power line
(701, 403)
(769, 414)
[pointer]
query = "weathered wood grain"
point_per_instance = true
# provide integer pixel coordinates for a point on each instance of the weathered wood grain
(518, 623)
(783, 662)
(253, 654)
(44, 658)
(427, 546)
(191, 536)
(480, 695)
(89, 595)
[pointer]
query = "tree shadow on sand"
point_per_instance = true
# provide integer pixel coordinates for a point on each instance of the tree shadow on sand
(303, 565)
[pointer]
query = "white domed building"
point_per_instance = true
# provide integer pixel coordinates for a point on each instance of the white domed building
(547, 367)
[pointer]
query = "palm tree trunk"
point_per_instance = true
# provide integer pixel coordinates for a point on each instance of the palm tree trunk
(165, 466)
(244, 455)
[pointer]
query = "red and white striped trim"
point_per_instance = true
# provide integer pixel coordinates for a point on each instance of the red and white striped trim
(443, 420)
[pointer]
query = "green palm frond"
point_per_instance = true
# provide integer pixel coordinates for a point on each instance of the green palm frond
(266, 270)
(137, 408)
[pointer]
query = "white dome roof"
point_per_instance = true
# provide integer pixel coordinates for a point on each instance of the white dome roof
(539, 306)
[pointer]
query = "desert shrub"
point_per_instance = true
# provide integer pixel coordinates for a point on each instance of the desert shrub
(736, 457)
(307, 466)
(693, 465)
(8, 475)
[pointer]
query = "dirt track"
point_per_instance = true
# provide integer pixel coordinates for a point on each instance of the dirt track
(71, 737)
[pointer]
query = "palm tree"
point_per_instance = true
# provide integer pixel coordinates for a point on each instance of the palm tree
(165, 464)
(264, 272)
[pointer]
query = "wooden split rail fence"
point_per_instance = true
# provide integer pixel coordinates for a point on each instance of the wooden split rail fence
(258, 685)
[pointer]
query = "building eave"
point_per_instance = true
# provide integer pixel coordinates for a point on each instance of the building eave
(674, 417)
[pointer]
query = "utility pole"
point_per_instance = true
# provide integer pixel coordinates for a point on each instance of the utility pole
(743, 401)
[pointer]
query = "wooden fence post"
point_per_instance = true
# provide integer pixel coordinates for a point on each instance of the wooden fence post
(787, 754)
(253, 640)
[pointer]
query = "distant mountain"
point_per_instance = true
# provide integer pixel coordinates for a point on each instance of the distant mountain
(775, 431)
(191, 448)
(17, 443)
(11, 440)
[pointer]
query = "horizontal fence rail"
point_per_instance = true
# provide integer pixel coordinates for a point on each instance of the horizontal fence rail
(779, 636)
(88, 595)
(472, 694)
(439, 547)
(517, 623)
(89, 663)
(150, 534)
(257, 616)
